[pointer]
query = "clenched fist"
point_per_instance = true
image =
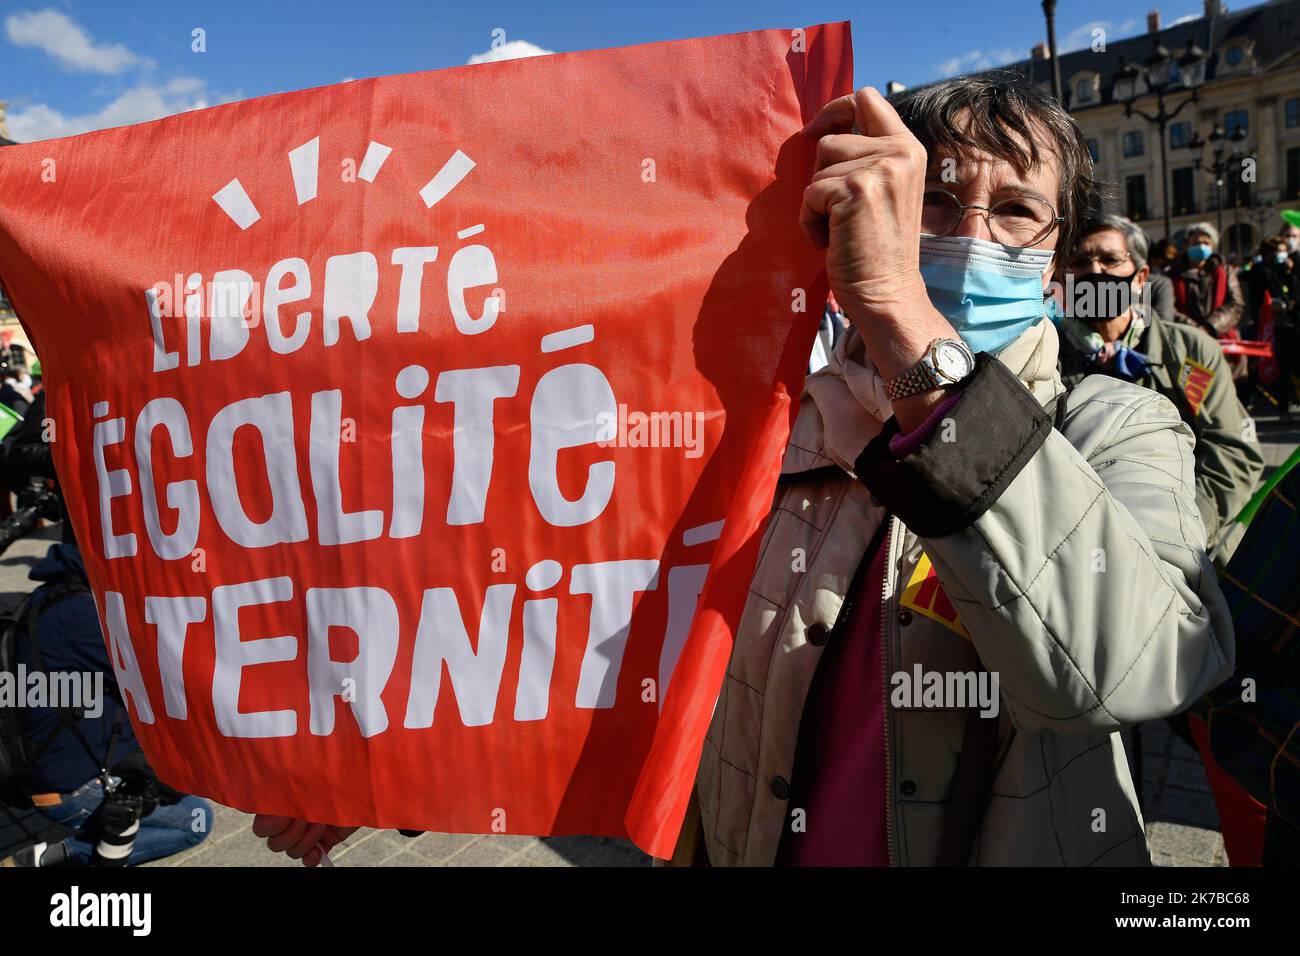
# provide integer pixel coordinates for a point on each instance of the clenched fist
(864, 207)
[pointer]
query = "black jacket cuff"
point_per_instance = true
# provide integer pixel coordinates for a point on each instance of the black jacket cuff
(945, 486)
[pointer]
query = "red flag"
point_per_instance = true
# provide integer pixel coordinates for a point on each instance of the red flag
(1268, 368)
(402, 420)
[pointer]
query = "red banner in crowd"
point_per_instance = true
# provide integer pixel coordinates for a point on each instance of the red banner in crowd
(1268, 368)
(406, 423)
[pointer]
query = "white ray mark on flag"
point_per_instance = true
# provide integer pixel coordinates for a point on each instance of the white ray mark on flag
(376, 153)
(304, 163)
(235, 203)
(447, 178)
(702, 533)
(568, 338)
(471, 231)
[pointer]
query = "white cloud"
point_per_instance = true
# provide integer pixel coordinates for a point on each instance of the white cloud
(510, 50)
(68, 44)
(139, 104)
(1187, 19)
(977, 60)
(1081, 37)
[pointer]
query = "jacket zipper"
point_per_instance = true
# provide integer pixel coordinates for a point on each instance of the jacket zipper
(884, 700)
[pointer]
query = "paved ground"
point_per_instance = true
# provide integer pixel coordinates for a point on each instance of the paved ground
(232, 844)
(1181, 819)
(1182, 824)
(1278, 440)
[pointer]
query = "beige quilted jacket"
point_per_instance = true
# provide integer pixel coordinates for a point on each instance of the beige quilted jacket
(1075, 562)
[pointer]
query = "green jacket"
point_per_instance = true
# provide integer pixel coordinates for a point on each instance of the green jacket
(1188, 368)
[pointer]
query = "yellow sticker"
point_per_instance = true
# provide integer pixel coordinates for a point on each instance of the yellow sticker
(925, 595)
(1194, 379)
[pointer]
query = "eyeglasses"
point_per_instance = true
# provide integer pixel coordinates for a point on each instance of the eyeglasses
(1081, 262)
(1018, 222)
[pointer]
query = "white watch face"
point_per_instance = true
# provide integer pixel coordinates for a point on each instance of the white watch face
(952, 361)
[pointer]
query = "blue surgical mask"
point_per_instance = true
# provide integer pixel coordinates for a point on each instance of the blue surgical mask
(1280, 257)
(1199, 252)
(990, 293)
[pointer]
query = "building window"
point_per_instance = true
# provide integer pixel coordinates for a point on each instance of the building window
(1180, 134)
(1094, 150)
(1292, 110)
(1133, 143)
(1135, 195)
(1234, 55)
(1084, 92)
(1235, 120)
(1293, 173)
(1184, 191)
(1234, 181)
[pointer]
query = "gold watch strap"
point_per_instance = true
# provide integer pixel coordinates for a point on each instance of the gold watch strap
(921, 377)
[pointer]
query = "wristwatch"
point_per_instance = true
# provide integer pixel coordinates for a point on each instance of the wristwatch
(945, 363)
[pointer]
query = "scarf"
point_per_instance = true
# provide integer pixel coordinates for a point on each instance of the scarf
(849, 394)
(1220, 293)
(1120, 356)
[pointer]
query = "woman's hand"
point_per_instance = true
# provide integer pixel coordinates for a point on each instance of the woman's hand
(300, 839)
(864, 207)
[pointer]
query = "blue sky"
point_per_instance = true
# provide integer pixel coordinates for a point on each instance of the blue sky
(71, 65)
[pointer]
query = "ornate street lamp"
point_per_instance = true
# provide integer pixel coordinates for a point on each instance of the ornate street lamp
(1226, 156)
(1158, 66)
(1156, 76)
(1125, 81)
(1192, 66)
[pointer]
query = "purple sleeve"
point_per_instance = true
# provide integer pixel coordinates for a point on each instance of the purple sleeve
(900, 445)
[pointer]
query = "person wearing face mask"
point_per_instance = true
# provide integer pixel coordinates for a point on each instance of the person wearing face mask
(1108, 328)
(1290, 234)
(949, 516)
(1290, 237)
(1272, 275)
(1273, 300)
(1206, 292)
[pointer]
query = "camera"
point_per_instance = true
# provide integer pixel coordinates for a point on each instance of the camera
(127, 801)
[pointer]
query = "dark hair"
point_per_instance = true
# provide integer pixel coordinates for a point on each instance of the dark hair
(1014, 120)
(1271, 243)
